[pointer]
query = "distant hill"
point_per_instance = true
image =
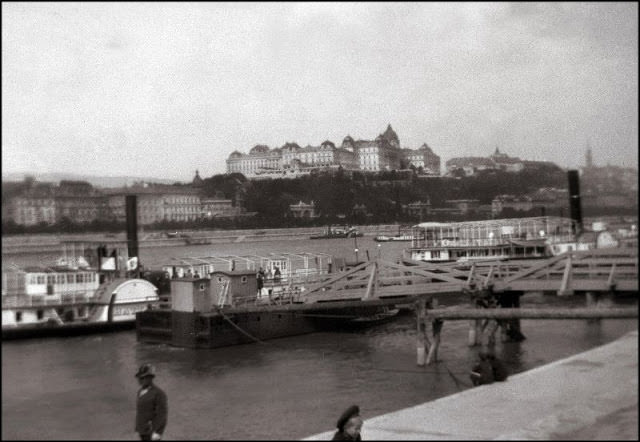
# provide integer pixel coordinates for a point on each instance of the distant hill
(97, 181)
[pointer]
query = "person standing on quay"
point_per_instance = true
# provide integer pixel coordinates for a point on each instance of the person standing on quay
(151, 407)
(276, 275)
(349, 425)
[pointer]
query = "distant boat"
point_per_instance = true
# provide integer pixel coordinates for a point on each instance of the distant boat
(474, 241)
(197, 241)
(337, 232)
(404, 234)
(384, 238)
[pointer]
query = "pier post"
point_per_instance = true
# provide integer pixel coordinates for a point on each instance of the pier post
(421, 335)
(474, 324)
(593, 301)
(513, 331)
(606, 299)
(473, 332)
(433, 351)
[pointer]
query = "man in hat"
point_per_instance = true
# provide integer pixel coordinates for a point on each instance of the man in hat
(151, 409)
(349, 425)
(488, 370)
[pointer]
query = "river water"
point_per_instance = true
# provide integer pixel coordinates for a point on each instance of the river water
(84, 387)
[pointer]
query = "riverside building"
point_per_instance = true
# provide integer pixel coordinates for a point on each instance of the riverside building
(31, 203)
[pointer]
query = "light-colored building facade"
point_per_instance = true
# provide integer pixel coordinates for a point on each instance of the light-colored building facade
(259, 158)
(156, 203)
(496, 161)
(291, 160)
(506, 163)
(34, 203)
(469, 165)
(218, 207)
(303, 210)
(418, 209)
(79, 202)
(502, 202)
(30, 210)
(423, 159)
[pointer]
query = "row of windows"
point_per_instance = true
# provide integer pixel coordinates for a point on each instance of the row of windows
(36, 202)
(69, 278)
(82, 311)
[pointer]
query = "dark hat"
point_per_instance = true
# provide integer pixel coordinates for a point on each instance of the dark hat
(146, 370)
(353, 410)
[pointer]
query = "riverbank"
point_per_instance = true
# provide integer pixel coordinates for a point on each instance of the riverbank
(591, 395)
(31, 243)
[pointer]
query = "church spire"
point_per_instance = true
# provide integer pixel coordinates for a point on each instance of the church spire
(197, 181)
(589, 156)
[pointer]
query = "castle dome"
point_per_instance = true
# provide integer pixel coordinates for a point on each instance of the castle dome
(197, 181)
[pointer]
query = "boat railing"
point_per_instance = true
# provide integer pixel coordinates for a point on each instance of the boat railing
(457, 242)
(19, 301)
(299, 277)
(490, 242)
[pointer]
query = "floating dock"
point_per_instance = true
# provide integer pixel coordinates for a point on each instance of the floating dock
(547, 402)
(227, 309)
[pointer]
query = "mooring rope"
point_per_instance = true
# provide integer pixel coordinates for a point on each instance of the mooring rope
(237, 327)
(457, 381)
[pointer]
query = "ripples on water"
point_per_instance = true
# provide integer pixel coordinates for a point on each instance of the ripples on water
(84, 387)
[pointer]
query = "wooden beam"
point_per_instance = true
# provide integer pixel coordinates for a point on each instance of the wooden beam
(566, 278)
(339, 277)
(371, 284)
(535, 313)
(446, 277)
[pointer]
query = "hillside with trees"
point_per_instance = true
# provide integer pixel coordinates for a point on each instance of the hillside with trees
(339, 197)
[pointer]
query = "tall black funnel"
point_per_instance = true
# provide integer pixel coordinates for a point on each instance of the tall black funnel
(575, 204)
(132, 225)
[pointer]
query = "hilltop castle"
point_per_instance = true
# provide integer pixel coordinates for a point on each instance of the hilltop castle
(382, 153)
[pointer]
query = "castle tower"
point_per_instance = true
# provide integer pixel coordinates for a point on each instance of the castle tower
(391, 137)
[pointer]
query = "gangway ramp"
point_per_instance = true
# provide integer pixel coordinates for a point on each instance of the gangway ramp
(596, 271)
(378, 279)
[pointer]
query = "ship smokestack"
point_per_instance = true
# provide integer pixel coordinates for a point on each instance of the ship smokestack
(575, 204)
(132, 225)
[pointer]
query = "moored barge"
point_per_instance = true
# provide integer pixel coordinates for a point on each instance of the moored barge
(227, 309)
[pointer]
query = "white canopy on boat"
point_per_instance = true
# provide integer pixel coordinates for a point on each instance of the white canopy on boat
(431, 224)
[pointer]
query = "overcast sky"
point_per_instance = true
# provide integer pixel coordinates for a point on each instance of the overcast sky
(161, 90)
